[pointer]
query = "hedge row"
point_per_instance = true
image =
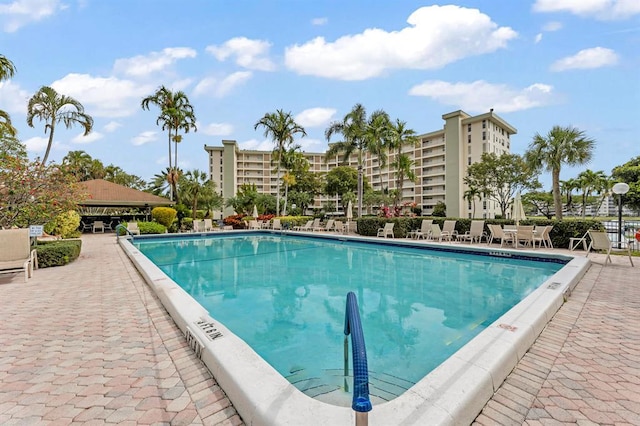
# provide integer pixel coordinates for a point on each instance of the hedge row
(560, 234)
(57, 253)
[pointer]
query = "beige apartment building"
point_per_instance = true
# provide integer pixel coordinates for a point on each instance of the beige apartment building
(441, 159)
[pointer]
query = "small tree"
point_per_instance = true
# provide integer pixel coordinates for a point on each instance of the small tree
(439, 210)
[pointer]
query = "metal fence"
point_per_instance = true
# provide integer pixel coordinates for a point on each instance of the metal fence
(629, 229)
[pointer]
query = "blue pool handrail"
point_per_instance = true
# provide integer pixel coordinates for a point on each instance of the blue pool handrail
(353, 326)
(124, 228)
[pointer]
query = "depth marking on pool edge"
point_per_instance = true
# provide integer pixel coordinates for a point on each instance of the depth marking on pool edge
(208, 328)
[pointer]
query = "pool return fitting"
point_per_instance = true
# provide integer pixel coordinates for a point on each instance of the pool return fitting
(352, 325)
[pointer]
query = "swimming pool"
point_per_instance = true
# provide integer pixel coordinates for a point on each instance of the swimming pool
(512, 334)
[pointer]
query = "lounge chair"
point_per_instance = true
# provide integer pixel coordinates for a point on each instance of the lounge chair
(329, 225)
(133, 229)
(16, 254)
(386, 231)
(198, 225)
(276, 225)
(306, 227)
(338, 227)
(253, 224)
(475, 233)
(316, 226)
(435, 233)
(208, 225)
(575, 242)
(600, 241)
(524, 235)
(542, 237)
(98, 226)
(498, 233)
(423, 232)
(449, 230)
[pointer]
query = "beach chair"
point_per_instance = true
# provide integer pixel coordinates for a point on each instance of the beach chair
(329, 225)
(600, 241)
(276, 225)
(435, 233)
(198, 225)
(542, 237)
(316, 226)
(208, 225)
(475, 233)
(338, 227)
(423, 232)
(449, 230)
(253, 224)
(16, 254)
(386, 231)
(133, 229)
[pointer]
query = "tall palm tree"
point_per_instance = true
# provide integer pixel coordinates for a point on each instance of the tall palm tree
(470, 195)
(562, 145)
(401, 136)
(7, 131)
(197, 188)
(6, 127)
(352, 128)
(566, 190)
(377, 132)
(51, 107)
(281, 128)
(291, 159)
(176, 114)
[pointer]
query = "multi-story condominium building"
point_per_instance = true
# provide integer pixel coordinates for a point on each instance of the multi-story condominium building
(441, 159)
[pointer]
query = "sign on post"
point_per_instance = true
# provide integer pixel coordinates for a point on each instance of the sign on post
(36, 230)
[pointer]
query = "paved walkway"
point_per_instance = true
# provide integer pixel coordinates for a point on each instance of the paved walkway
(90, 343)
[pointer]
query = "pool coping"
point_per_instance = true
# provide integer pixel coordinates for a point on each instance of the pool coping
(453, 393)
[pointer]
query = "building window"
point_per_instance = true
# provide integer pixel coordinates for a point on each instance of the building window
(469, 139)
(484, 124)
(469, 127)
(484, 147)
(484, 136)
(469, 161)
(484, 205)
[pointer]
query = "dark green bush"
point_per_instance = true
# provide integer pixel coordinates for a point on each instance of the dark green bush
(57, 253)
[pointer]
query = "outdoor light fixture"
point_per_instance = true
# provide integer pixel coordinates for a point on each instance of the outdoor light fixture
(620, 188)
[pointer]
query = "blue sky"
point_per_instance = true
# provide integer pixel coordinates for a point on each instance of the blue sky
(538, 63)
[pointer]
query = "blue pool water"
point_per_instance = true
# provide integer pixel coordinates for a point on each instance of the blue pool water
(285, 296)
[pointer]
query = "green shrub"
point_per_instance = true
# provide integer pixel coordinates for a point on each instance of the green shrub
(164, 216)
(152, 228)
(289, 222)
(58, 253)
(64, 225)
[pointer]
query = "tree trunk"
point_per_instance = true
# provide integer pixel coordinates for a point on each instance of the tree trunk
(557, 198)
(46, 153)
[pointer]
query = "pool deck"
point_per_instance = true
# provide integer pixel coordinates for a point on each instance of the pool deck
(89, 342)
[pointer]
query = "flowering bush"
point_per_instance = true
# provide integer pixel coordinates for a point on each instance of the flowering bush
(235, 221)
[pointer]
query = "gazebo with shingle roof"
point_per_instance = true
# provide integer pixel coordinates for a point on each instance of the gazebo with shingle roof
(112, 203)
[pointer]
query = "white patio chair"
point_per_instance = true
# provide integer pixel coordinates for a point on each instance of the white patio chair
(600, 241)
(386, 231)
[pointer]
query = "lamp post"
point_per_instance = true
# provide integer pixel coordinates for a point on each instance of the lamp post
(620, 188)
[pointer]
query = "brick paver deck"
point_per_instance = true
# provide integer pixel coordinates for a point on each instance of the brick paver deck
(90, 343)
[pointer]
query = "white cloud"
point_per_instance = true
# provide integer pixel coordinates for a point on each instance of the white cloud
(221, 87)
(14, 99)
(144, 138)
(595, 57)
(435, 37)
(552, 26)
(315, 117)
(216, 129)
(598, 9)
(251, 54)
(263, 145)
(538, 38)
(312, 145)
(103, 96)
(319, 21)
(112, 126)
(37, 144)
(480, 96)
(91, 137)
(143, 65)
(19, 13)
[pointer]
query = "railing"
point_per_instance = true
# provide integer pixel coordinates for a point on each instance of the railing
(124, 228)
(352, 325)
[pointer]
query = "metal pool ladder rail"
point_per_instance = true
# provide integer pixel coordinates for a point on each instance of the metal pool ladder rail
(352, 325)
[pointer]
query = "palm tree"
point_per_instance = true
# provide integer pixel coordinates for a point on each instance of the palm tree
(590, 181)
(562, 145)
(7, 69)
(377, 134)
(566, 190)
(291, 159)
(176, 113)
(470, 195)
(281, 128)
(197, 188)
(51, 107)
(79, 164)
(352, 128)
(6, 127)
(401, 136)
